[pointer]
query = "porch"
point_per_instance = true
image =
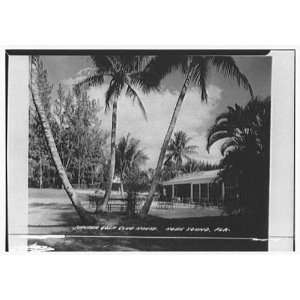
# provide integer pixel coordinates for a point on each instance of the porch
(195, 189)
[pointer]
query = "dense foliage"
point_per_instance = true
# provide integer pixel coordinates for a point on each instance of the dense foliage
(84, 149)
(245, 132)
(76, 128)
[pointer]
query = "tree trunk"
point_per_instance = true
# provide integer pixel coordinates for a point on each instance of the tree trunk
(41, 171)
(103, 207)
(122, 188)
(93, 175)
(146, 207)
(85, 217)
(78, 179)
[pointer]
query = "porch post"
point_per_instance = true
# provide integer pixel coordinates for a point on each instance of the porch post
(192, 196)
(208, 193)
(223, 191)
(200, 200)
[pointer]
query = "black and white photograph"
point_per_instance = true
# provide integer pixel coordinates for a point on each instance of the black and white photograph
(150, 150)
(142, 150)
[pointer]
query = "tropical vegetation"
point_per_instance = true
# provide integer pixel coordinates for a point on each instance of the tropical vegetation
(76, 129)
(121, 73)
(245, 135)
(68, 146)
(36, 69)
(178, 149)
(195, 70)
(129, 157)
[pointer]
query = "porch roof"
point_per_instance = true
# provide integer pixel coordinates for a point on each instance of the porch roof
(193, 177)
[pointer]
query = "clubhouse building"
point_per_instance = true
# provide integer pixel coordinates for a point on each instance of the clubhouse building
(203, 188)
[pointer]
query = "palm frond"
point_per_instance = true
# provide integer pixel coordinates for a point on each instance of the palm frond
(132, 64)
(140, 62)
(224, 126)
(104, 63)
(113, 91)
(219, 135)
(200, 74)
(158, 68)
(227, 144)
(130, 92)
(139, 157)
(91, 81)
(227, 66)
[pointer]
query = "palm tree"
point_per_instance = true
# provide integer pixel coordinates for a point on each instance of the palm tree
(245, 132)
(35, 64)
(195, 70)
(122, 73)
(178, 149)
(128, 156)
(243, 125)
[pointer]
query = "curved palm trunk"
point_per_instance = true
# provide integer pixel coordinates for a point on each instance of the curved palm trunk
(146, 207)
(103, 207)
(85, 217)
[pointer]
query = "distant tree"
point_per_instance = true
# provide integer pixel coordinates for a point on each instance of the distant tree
(179, 150)
(169, 171)
(190, 166)
(78, 135)
(129, 156)
(38, 152)
(63, 108)
(42, 114)
(196, 166)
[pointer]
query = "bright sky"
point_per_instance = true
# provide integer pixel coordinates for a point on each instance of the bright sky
(195, 117)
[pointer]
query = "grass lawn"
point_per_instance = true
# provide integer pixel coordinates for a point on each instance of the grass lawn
(51, 213)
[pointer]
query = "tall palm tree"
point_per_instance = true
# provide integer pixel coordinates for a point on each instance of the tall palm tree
(178, 149)
(128, 156)
(85, 217)
(122, 73)
(195, 70)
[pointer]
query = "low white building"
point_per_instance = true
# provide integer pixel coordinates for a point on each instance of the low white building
(200, 187)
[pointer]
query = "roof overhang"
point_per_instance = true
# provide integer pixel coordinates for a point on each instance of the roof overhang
(194, 178)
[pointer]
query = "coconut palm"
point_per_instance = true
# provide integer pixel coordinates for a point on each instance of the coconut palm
(128, 156)
(195, 70)
(36, 97)
(245, 132)
(179, 150)
(122, 73)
